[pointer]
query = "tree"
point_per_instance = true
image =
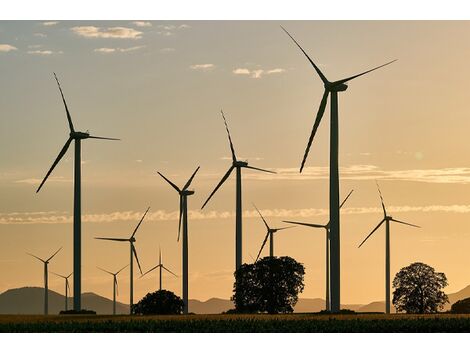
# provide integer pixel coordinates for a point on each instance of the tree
(461, 307)
(159, 302)
(418, 289)
(269, 285)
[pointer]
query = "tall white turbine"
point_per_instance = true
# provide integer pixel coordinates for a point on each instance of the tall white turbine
(327, 251)
(133, 253)
(160, 266)
(115, 284)
(332, 89)
(77, 193)
(237, 165)
(183, 218)
(387, 219)
(67, 288)
(46, 279)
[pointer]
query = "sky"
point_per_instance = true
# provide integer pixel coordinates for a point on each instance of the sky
(160, 86)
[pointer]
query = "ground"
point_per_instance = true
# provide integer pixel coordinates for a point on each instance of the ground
(239, 323)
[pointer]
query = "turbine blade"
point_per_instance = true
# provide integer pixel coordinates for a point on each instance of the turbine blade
(112, 239)
(62, 276)
(305, 224)
(256, 168)
(117, 286)
(52, 256)
(140, 222)
(234, 158)
(227, 174)
(267, 226)
(121, 269)
(106, 271)
(148, 271)
(56, 161)
(262, 246)
(69, 275)
(180, 218)
(190, 179)
(405, 223)
(107, 138)
(381, 199)
(375, 229)
(171, 272)
(68, 286)
(136, 257)
(345, 199)
(284, 228)
(171, 183)
(361, 74)
(321, 111)
(322, 76)
(159, 255)
(69, 118)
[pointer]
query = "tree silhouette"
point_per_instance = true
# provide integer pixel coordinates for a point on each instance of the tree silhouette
(159, 302)
(418, 289)
(462, 306)
(271, 285)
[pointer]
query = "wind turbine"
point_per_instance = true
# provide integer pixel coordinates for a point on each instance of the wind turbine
(183, 193)
(77, 225)
(46, 281)
(160, 266)
(115, 284)
(131, 241)
(237, 165)
(387, 219)
(270, 234)
(67, 288)
(332, 89)
(327, 256)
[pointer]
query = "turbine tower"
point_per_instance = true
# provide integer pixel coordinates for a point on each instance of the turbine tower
(46, 280)
(327, 256)
(77, 137)
(332, 89)
(160, 266)
(67, 288)
(183, 193)
(387, 219)
(237, 165)
(269, 234)
(115, 284)
(133, 253)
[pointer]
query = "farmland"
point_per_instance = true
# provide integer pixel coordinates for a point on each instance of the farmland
(306, 323)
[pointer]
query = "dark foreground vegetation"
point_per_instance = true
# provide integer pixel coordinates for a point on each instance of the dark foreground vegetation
(240, 323)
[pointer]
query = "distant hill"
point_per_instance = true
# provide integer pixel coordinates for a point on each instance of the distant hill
(30, 300)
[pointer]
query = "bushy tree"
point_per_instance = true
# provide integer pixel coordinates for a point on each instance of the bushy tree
(159, 302)
(462, 306)
(269, 285)
(418, 289)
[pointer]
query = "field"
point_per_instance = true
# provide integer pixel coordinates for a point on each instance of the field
(239, 323)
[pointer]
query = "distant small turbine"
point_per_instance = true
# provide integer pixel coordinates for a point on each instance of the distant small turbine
(183, 193)
(160, 266)
(115, 284)
(131, 241)
(46, 281)
(327, 256)
(270, 234)
(67, 288)
(387, 220)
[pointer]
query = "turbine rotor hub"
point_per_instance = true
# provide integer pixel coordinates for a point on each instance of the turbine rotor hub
(187, 192)
(336, 87)
(240, 163)
(79, 135)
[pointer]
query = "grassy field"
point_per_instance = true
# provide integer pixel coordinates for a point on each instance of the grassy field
(239, 323)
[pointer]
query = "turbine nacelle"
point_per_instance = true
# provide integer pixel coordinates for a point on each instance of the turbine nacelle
(79, 135)
(238, 163)
(187, 192)
(335, 87)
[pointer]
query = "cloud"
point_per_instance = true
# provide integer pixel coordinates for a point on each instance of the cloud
(44, 52)
(50, 23)
(167, 50)
(37, 181)
(118, 50)
(5, 48)
(142, 24)
(256, 158)
(40, 35)
(169, 29)
(257, 73)
(112, 32)
(202, 67)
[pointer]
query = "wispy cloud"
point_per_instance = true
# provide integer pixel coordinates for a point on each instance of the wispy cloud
(167, 50)
(170, 29)
(256, 158)
(37, 181)
(258, 73)
(202, 67)
(50, 23)
(44, 52)
(142, 24)
(5, 48)
(112, 32)
(118, 50)
(40, 35)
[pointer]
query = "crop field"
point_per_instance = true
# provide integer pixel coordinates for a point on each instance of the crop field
(305, 323)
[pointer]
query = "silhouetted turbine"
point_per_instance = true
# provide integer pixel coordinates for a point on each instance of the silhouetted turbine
(46, 280)
(327, 256)
(183, 193)
(67, 288)
(331, 88)
(159, 266)
(133, 252)
(386, 219)
(77, 224)
(269, 234)
(237, 165)
(115, 284)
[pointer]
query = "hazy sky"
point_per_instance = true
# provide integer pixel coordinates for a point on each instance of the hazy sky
(160, 86)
